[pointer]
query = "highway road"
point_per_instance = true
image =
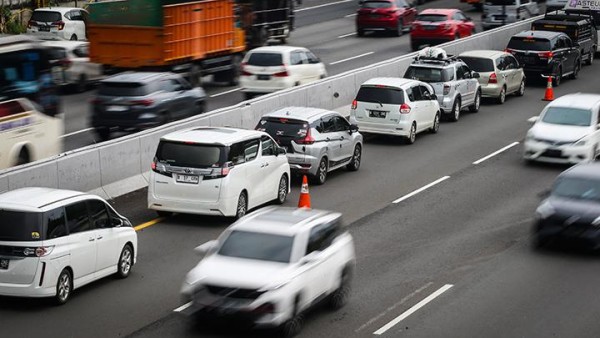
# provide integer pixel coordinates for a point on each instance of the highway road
(325, 27)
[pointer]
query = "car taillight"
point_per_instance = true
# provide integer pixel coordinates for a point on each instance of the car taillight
(281, 74)
(354, 104)
(508, 50)
(546, 55)
(265, 308)
(493, 78)
(38, 252)
(60, 25)
(31, 23)
(65, 63)
(244, 71)
(153, 165)
(404, 108)
(95, 101)
(446, 89)
(144, 102)
(308, 139)
(222, 171)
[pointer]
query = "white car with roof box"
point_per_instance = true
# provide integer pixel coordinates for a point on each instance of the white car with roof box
(217, 171)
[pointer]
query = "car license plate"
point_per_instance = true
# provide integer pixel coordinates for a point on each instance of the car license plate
(44, 28)
(529, 59)
(430, 27)
(191, 179)
(4, 264)
(116, 108)
(263, 77)
(377, 113)
(553, 152)
(374, 16)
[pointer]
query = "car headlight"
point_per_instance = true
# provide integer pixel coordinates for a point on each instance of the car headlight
(545, 210)
(581, 142)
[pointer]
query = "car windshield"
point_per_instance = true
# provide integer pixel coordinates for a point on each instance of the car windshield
(283, 128)
(431, 17)
(477, 64)
(20, 226)
(427, 74)
(123, 89)
(265, 59)
(180, 154)
(577, 188)
(568, 116)
(528, 43)
(45, 16)
(258, 246)
(380, 94)
(376, 4)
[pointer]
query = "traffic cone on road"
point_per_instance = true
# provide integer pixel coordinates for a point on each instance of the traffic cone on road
(304, 201)
(549, 95)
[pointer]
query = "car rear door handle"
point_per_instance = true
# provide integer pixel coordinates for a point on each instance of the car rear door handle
(264, 165)
(92, 239)
(99, 238)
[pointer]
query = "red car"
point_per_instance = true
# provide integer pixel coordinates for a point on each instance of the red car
(435, 26)
(394, 16)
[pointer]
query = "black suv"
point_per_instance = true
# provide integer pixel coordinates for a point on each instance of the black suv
(139, 100)
(546, 53)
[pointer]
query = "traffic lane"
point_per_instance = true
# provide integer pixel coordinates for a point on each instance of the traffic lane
(315, 13)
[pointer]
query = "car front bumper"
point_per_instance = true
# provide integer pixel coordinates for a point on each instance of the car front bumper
(566, 154)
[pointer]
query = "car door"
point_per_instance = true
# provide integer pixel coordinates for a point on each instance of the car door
(82, 242)
(560, 54)
(171, 100)
(345, 148)
(78, 25)
(416, 105)
(297, 68)
(269, 167)
(573, 53)
(462, 85)
(503, 75)
(332, 139)
(318, 264)
(256, 169)
(428, 107)
(318, 67)
(107, 239)
(516, 73)
(464, 25)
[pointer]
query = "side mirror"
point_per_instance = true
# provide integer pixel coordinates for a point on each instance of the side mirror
(116, 222)
(476, 75)
(433, 97)
(533, 119)
(280, 151)
(353, 128)
(206, 247)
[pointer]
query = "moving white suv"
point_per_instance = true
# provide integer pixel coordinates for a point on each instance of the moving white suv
(217, 171)
(271, 266)
(395, 106)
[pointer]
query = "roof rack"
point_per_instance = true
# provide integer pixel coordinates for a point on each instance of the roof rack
(429, 59)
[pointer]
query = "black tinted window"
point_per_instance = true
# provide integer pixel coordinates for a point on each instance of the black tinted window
(190, 155)
(321, 236)
(478, 64)
(265, 59)
(431, 17)
(46, 16)
(328, 124)
(258, 246)
(124, 89)
(340, 123)
(283, 128)
(20, 226)
(57, 53)
(268, 146)
(527, 43)
(384, 95)
(56, 225)
(77, 218)
(376, 4)
(577, 188)
(99, 215)
(427, 74)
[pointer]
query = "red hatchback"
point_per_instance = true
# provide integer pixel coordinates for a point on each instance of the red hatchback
(394, 16)
(435, 26)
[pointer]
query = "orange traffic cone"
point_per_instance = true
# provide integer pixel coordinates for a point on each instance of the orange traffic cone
(549, 95)
(304, 201)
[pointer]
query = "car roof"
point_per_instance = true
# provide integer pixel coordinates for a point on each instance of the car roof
(577, 101)
(390, 82)
(137, 76)
(213, 135)
(276, 49)
(439, 11)
(301, 113)
(491, 54)
(35, 198)
(57, 9)
(584, 170)
(282, 220)
(538, 34)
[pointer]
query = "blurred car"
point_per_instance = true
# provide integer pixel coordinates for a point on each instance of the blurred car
(65, 22)
(73, 66)
(435, 26)
(546, 53)
(497, 13)
(217, 171)
(454, 83)
(139, 100)
(270, 267)
(269, 69)
(54, 241)
(477, 4)
(499, 73)
(567, 131)
(554, 5)
(395, 106)
(395, 16)
(316, 140)
(571, 212)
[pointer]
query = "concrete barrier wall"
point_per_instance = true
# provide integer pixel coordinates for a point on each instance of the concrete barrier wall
(120, 166)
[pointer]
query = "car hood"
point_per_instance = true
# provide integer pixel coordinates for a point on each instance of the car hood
(561, 133)
(237, 272)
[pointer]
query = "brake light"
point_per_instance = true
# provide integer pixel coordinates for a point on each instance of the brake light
(493, 78)
(354, 104)
(221, 172)
(404, 108)
(244, 71)
(144, 102)
(95, 101)
(308, 139)
(545, 55)
(265, 308)
(31, 23)
(446, 89)
(37, 252)
(60, 25)
(282, 74)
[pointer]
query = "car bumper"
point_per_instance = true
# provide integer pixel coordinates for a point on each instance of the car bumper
(579, 235)
(267, 86)
(33, 289)
(367, 24)
(396, 129)
(303, 164)
(223, 207)
(567, 154)
(491, 90)
(445, 103)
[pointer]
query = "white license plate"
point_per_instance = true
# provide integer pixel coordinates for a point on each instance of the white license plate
(263, 77)
(377, 113)
(4, 264)
(191, 179)
(116, 108)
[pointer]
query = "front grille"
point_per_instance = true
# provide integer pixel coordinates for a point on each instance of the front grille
(553, 153)
(233, 292)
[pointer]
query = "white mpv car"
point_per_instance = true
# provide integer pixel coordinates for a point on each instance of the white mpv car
(54, 241)
(567, 131)
(217, 171)
(395, 106)
(272, 266)
(67, 23)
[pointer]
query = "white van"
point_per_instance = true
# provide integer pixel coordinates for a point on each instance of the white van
(26, 134)
(217, 171)
(54, 241)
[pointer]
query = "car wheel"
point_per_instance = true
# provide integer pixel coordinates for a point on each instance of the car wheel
(103, 133)
(340, 296)
(502, 96)
(455, 110)
(200, 107)
(356, 157)
(474, 108)
(293, 326)
(399, 28)
(73, 37)
(414, 47)
(64, 287)
(242, 206)
(282, 190)
(436, 124)
(125, 262)
(590, 59)
(413, 134)
(321, 175)
(360, 32)
(457, 36)
(557, 78)
(576, 69)
(521, 90)
(24, 157)
(164, 214)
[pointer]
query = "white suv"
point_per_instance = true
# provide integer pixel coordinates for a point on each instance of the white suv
(54, 241)
(395, 106)
(271, 266)
(67, 23)
(217, 171)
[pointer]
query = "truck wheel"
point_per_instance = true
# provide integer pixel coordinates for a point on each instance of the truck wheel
(195, 76)
(233, 78)
(590, 59)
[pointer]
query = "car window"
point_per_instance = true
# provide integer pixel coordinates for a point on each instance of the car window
(529, 43)
(46, 16)
(296, 58)
(465, 71)
(251, 149)
(167, 85)
(124, 89)
(312, 58)
(567, 116)
(380, 94)
(99, 214)
(459, 74)
(577, 188)
(500, 2)
(76, 15)
(257, 246)
(428, 74)
(479, 64)
(20, 226)
(524, 2)
(567, 42)
(322, 235)
(425, 93)
(431, 17)
(340, 123)
(191, 155)
(265, 59)
(56, 225)
(268, 146)
(514, 64)
(78, 219)
(328, 124)
(284, 129)
(560, 44)
(376, 4)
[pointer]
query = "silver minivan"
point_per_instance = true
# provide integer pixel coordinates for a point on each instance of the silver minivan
(500, 12)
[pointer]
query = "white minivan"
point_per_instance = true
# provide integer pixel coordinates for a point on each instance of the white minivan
(53, 241)
(217, 171)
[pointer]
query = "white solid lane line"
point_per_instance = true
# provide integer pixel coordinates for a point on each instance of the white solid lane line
(183, 307)
(226, 92)
(421, 189)
(76, 132)
(350, 15)
(496, 153)
(351, 58)
(346, 35)
(413, 309)
(319, 6)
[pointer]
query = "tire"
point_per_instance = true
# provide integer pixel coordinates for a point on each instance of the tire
(455, 110)
(360, 32)
(125, 262)
(195, 76)
(103, 133)
(73, 37)
(590, 59)
(502, 97)
(399, 28)
(436, 124)
(521, 90)
(410, 139)
(64, 287)
(201, 107)
(23, 157)
(292, 326)
(474, 108)
(282, 189)
(457, 36)
(233, 75)
(340, 296)
(242, 206)
(576, 70)
(557, 79)
(354, 164)
(414, 46)
(321, 175)
(164, 214)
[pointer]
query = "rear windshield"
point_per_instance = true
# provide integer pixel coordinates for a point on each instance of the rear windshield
(46, 16)
(427, 74)
(20, 226)
(189, 155)
(283, 128)
(568, 116)
(527, 43)
(381, 95)
(501, 2)
(124, 89)
(478, 64)
(265, 59)
(376, 4)
(431, 17)
(258, 246)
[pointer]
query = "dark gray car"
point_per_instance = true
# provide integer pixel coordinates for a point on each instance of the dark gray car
(140, 100)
